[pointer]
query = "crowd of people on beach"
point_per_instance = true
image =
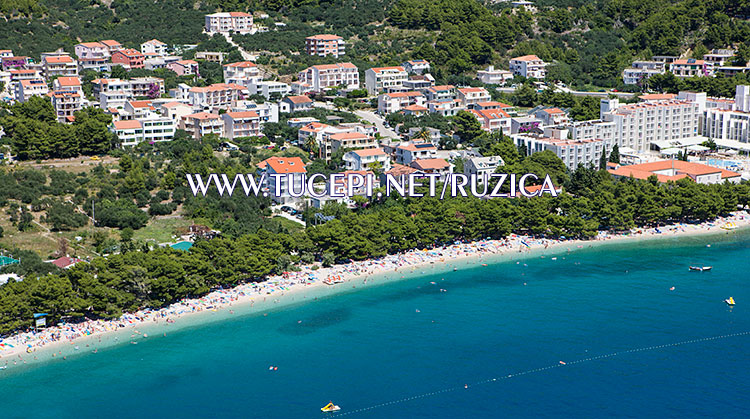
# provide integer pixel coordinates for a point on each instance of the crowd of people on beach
(19, 347)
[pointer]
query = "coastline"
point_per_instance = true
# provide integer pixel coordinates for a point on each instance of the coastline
(57, 343)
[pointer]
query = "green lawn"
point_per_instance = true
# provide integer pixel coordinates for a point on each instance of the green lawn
(161, 230)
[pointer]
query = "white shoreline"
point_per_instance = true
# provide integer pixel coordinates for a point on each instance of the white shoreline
(60, 342)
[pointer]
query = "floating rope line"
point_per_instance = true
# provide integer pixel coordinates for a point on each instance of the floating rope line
(558, 365)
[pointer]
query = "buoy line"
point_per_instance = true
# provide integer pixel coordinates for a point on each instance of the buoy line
(560, 364)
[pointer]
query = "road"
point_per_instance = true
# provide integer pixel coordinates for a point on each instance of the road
(370, 116)
(579, 93)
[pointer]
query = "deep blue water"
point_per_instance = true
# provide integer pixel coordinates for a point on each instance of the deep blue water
(371, 346)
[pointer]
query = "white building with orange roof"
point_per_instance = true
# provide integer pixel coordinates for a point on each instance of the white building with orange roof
(59, 65)
(415, 110)
(571, 152)
(472, 95)
(136, 109)
(202, 123)
(25, 89)
(112, 45)
(445, 107)
(552, 116)
(91, 50)
(176, 110)
(378, 79)
(326, 76)
(325, 44)
(215, 96)
(241, 124)
(244, 73)
(407, 153)
(690, 67)
(129, 132)
(416, 66)
(281, 174)
(493, 120)
(493, 105)
(296, 104)
(367, 159)
(6, 53)
(66, 103)
(445, 91)
(434, 165)
(395, 102)
(155, 47)
(67, 83)
(228, 22)
(528, 66)
(674, 170)
(333, 142)
(23, 74)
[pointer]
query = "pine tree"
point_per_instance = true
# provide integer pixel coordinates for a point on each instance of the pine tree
(614, 156)
(603, 159)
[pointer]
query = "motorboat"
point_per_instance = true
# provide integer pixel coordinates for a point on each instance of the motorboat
(701, 268)
(330, 407)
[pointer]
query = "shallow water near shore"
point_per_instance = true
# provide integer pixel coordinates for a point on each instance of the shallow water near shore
(408, 338)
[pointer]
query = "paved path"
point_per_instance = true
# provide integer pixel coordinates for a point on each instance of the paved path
(378, 121)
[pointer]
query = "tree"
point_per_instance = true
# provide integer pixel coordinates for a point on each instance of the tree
(603, 159)
(466, 126)
(614, 156)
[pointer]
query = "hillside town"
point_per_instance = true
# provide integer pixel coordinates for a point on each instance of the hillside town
(647, 130)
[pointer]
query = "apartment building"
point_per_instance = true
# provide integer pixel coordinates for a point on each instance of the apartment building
(445, 107)
(184, 67)
(494, 76)
(112, 45)
(151, 87)
(493, 120)
(528, 66)
(325, 76)
(419, 82)
(728, 123)
(367, 159)
(380, 79)
(637, 125)
(293, 168)
(154, 47)
(25, 89)
(128, 58)
(241, 124)
(24, 74)
(333, 142)
(202, 123)
(482, 166)
(86, 50)
(719, 57)
(324, 45)
(470, 96)
(446, 91)
(409, 152)
(552, 116)
(228, 22)
(690, 68)
(149, 128)
(66, 103)
(395, 102)
(59, 65)
(571, 152)
(642, 70)
(219, 95)
(243, 73)
(416, 66)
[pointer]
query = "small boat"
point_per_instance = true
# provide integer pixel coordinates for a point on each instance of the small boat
(330, 407)
(701, 268)
(730, 301)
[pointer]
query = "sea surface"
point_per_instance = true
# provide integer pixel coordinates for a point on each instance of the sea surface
(406, 349)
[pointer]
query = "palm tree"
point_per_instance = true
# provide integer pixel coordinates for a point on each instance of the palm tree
(311, 144)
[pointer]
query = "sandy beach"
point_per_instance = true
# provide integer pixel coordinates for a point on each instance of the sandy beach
(63, 340)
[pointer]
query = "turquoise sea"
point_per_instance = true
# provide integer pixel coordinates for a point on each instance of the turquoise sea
(408, 343)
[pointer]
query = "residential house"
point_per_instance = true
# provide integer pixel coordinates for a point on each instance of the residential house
(439, 166)
(210, 56)
(59, 65)
(112, 45)
(293, 169)
(9, 63)
(482, 166)
(690, 67)
(229, 22)
(154, 47)
(641, 70)
(380, 79)
(215, 96)
(149, 127)
(296, 104)
(395, 102)
(268, 88)
(325, 76)
(66, 103)
(719, 57)
(473, 95)
(416, 66)
(441, 92)
(243, 73)
(333, 142)
(445, 107)
(128, 58)
(25, 89)
(176, 110)
(324, 45)
(552, 116)
(202, 123)
(493, 120)
(529, 66)
(420, 82)
(407, 153)
(493, 76)
(241, 124)
(367, 159)
(184, 67)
